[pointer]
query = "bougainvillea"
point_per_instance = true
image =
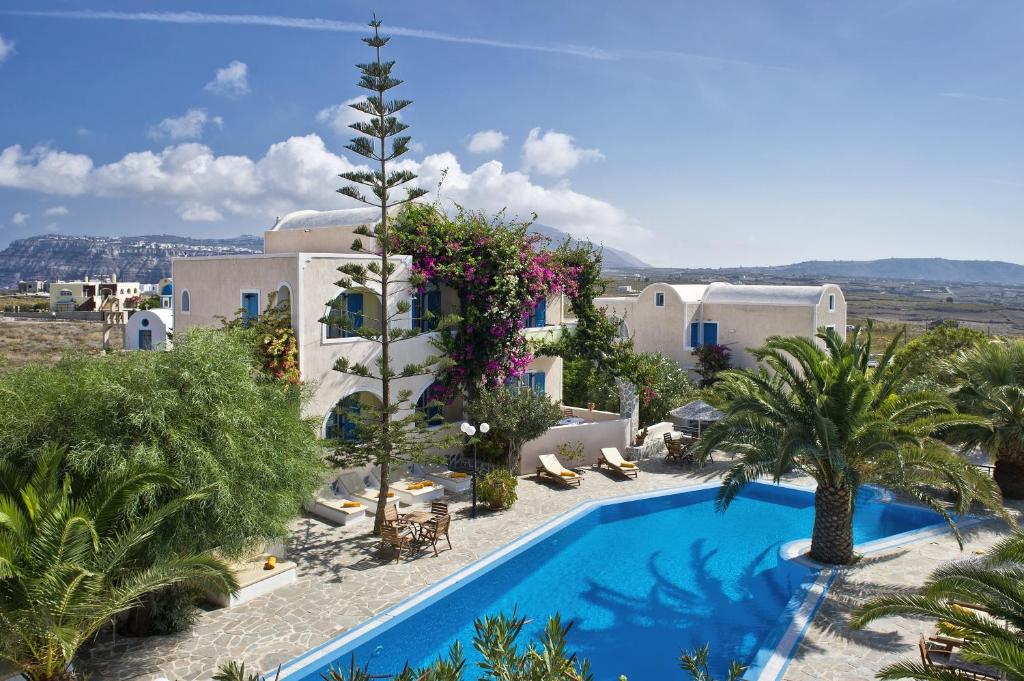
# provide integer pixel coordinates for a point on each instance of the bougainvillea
(499, 271)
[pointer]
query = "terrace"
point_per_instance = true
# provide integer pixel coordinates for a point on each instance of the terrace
(343, 582)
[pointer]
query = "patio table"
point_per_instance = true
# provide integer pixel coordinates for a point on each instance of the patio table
(417, 519)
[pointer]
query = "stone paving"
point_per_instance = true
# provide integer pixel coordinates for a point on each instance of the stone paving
(343, 581)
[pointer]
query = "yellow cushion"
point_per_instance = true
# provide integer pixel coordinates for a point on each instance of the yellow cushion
(460, 475)
(627, 464)
(567, 474)
(351, 504)
(391, 494)
(271, 563)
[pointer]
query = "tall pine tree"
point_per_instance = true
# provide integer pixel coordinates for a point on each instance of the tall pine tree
(393, 433)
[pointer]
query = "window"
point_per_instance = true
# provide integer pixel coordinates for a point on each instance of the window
(703, 333)
(346, 306)
(341, 423)
(186, 302)
(64, 292)
(145, 322)
(430, 406)
(831, 302)
(531, 380)
(426, 309)
(167, 289)
(145, 339)
(830, 326)
(250, 306)
(283, 299)
(659, 300)
(539, 317)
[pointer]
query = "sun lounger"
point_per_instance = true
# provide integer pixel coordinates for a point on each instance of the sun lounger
(550, 468)
(453, 482)
(942, 656)
(351, 485)
(417, 491)
(336, 509)
(611, 458)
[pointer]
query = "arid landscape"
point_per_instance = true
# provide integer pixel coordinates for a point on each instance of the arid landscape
(25, 341)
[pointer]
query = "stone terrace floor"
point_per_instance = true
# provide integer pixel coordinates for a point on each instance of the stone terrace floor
(343, 581)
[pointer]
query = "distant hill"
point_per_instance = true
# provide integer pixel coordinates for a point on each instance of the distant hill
(145, 259)
(612, 258)
(921, 269)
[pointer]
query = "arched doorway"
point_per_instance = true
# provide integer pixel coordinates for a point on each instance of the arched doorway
(342, 421)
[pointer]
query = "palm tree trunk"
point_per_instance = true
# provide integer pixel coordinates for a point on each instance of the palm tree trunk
(832, 539)
(1009, 475)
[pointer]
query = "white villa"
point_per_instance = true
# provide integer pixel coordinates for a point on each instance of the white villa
(676, 319)
(302, 253)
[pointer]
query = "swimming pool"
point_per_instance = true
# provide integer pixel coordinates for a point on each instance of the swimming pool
(640, 579)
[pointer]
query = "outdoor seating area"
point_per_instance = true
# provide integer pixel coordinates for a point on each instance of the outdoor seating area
(411, 533)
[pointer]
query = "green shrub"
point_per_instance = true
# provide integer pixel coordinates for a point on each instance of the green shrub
(174, 610)
(497, 489)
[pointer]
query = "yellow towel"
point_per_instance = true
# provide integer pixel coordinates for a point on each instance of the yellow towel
(626, 464)
(567, 474)
(351, 504)
(391, 494)
(460, 475)
(271, 563)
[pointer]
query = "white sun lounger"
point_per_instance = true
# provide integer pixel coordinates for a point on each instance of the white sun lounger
(453, 484)
(351, 485)
(331, 507)
(414, 497)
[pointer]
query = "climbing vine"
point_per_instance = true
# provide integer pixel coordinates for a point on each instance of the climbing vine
(500, 272)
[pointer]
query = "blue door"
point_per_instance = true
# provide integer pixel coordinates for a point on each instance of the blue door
(145, 339)
(426, 310)
(540, 314)
(711, 333)
(250, 306)
(537, 382)
(694, 334)
(354, 308)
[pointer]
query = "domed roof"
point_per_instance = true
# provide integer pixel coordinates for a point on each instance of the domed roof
(315, 219)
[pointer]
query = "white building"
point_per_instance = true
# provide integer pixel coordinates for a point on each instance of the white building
(149, 330)
(676, 319)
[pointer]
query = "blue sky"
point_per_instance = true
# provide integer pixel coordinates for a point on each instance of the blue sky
(690, 133)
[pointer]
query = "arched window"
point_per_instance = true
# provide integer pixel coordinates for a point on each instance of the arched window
(167, 289)
(348, 305)
(426, 308)
(341, 423)
(283, 300)
(186, 302)
(430, 405)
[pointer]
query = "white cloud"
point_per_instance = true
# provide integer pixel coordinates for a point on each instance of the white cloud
(340, 116)
(20, 218)
(6, 48)
(198, 212)
(188, 126)
(487, 141)
(554, 153)
(230, 81)
(56, 211)
(300, 172)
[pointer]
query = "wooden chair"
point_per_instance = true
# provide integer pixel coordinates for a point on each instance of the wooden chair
(398, 540)
(676, 450)
(439, 508)
(431, 532)
(939, 655)
(392, 518)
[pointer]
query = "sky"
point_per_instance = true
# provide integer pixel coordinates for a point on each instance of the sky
(689, 133)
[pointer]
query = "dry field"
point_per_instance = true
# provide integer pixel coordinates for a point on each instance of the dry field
(23, 342)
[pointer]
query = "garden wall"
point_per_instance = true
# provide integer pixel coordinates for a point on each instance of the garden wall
(594, 435)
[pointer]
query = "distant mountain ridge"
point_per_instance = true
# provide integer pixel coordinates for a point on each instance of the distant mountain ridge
(922, 269)
(147, 259)
(612, 258)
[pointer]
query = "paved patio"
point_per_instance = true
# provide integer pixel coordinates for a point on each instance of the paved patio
(343, 582)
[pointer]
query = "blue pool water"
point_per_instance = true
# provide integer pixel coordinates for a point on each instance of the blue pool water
(640, 580)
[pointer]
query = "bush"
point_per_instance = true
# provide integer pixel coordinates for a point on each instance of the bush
(174, 610)
(204, 411)
(515, 417)
(497, 489)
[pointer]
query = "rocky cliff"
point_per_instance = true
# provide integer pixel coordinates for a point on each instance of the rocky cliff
(145, 259)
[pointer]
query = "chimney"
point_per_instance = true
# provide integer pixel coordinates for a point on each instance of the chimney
(113, 278)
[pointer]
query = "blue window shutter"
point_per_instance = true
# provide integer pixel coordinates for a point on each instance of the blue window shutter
(695, 334)
(433, 305)
(711, 333)
(348, 425)
(354, 307)
(540, 313)
(538, 383)
(415, 311)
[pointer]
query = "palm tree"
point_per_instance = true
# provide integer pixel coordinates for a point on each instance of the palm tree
(822, 410)
(990, 383)
(993, 633)
(72, 560)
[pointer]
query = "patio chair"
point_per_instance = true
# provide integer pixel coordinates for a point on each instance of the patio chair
(677, 450)
(432, 532)
(940, 655)
(439, 508)
(550, 468)
(611, 458)
(392, 518)
(567, 413)
(398, 539)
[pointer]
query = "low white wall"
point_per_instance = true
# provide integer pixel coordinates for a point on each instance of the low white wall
(594, 436)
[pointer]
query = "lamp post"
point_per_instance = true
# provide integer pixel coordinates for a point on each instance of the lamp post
(470, 430)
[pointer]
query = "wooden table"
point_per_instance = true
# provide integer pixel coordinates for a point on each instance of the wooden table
(417, 519)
